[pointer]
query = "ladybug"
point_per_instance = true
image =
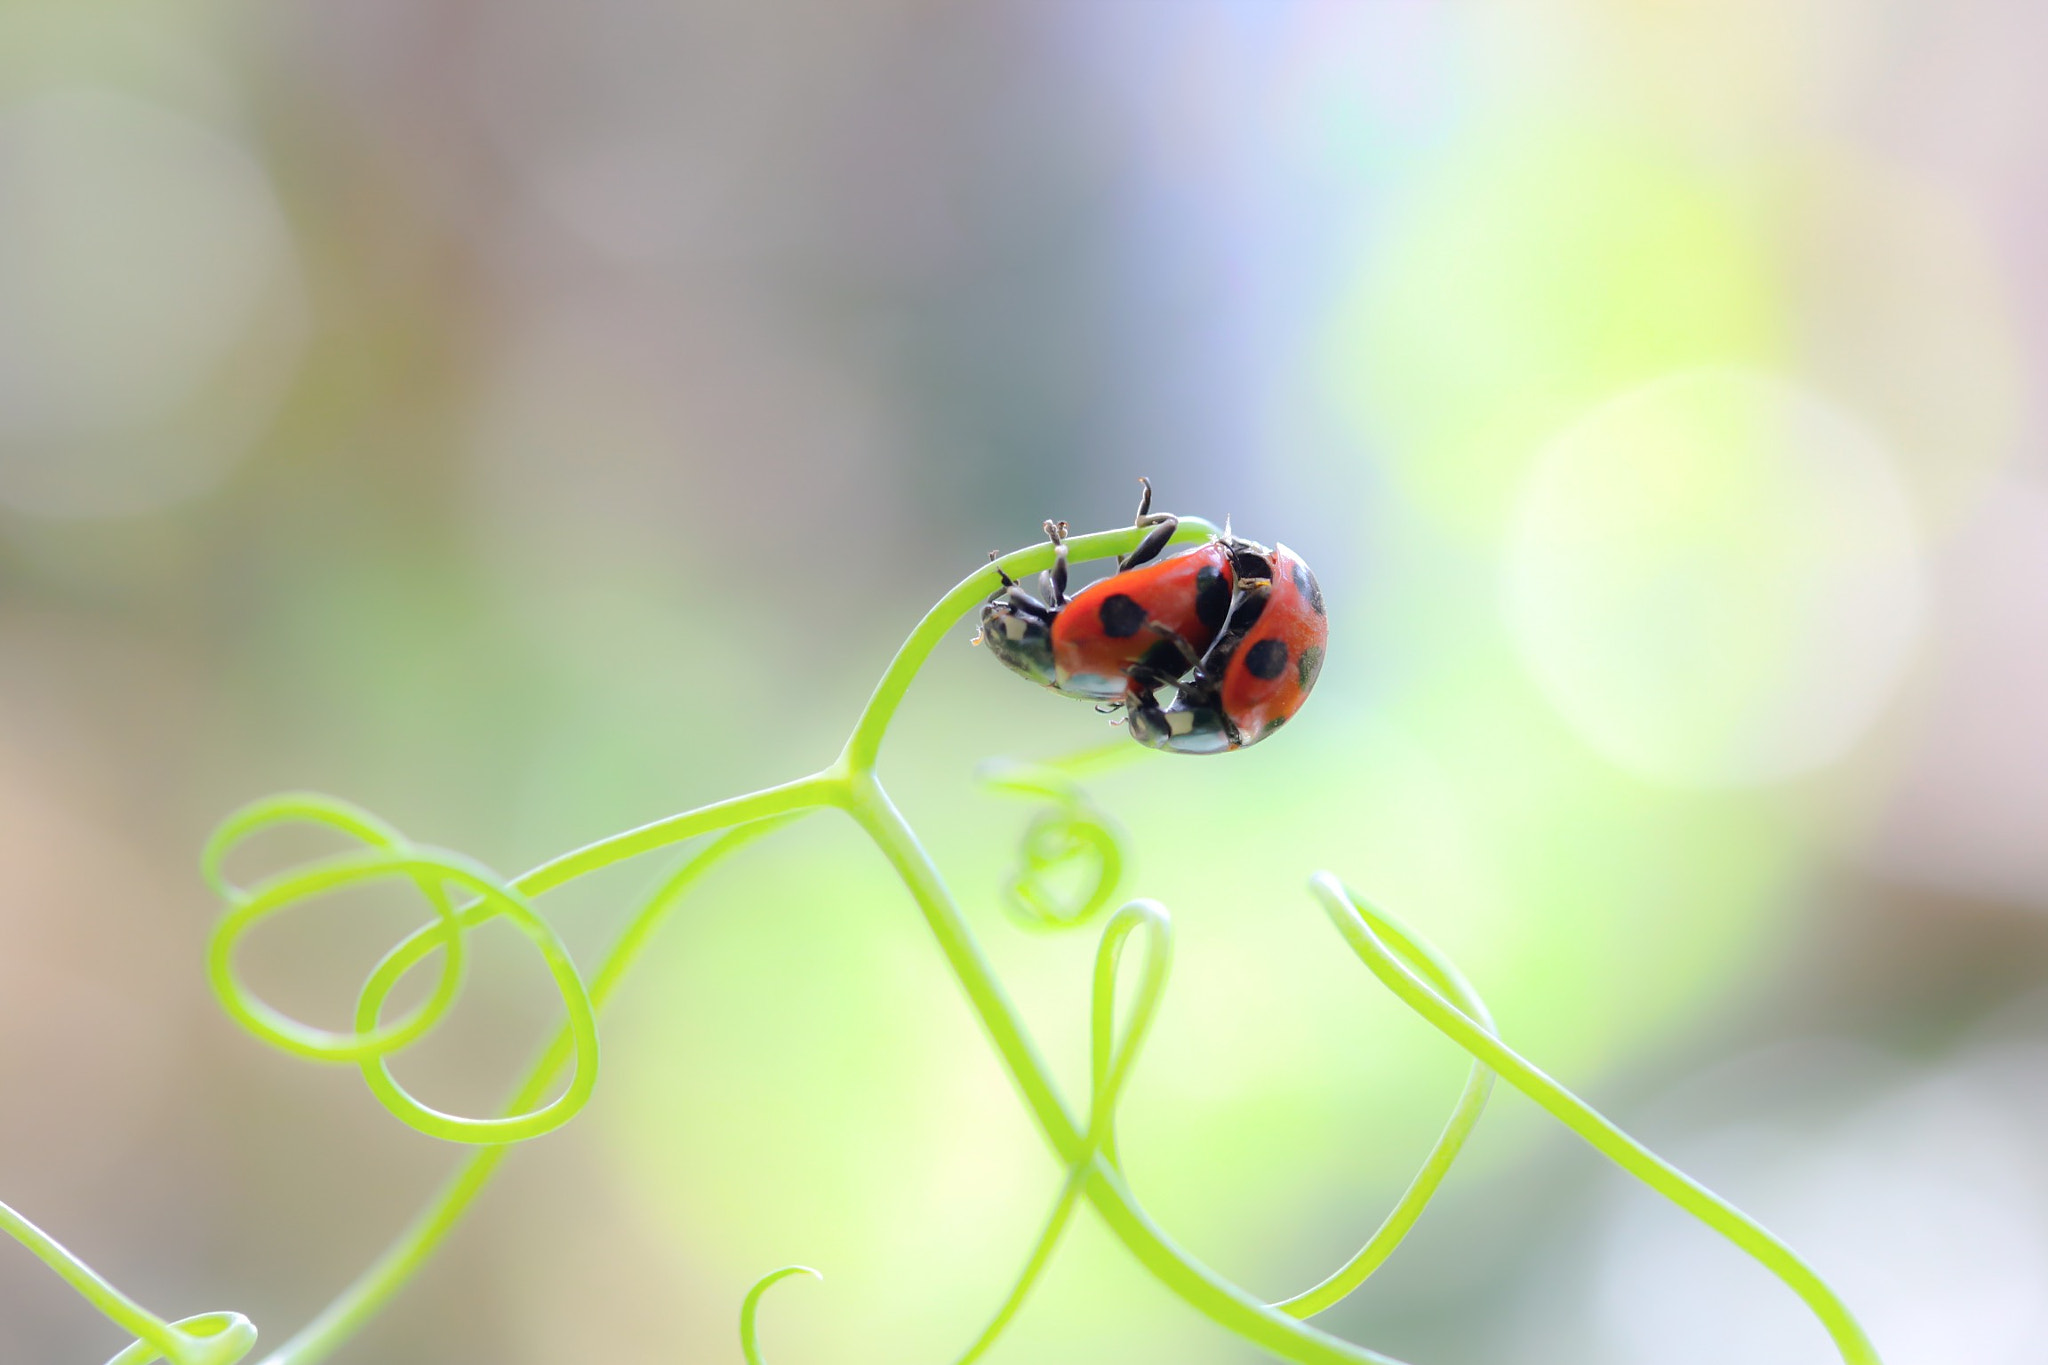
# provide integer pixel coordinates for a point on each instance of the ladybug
(1136, 631)
(1257, 672)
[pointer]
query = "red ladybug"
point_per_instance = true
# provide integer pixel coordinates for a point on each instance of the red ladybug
(1259, 670)
(1137, 630)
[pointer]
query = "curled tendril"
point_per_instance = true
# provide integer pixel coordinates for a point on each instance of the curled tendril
(203, 1339)
(462, 894)
(441, 877)
(1387, 947)
(1070, 836)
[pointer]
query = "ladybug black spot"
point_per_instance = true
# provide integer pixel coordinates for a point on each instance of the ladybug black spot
(1267, 659)
(1310, 664)
(1121, 616)
(1212, 598)
(1164, 660)
(1305, 583)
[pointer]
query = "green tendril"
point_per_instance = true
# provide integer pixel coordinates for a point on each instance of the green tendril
(750, 1307)
(1110, 1060)
(1071, 844)
(1110, 1063)
(204, 1339)
(1368, 930)
(435, 873)
(1445, 977)
(1071, 836)
(372, 1289)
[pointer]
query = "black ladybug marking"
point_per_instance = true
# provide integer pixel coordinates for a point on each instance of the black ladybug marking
(1305, 584)
(1310, 664)
(1164, 660)
(1267, 659)
(1212, 598)
(1121, 616)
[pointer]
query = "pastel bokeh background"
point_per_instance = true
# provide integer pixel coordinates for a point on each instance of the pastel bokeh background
(529, 419)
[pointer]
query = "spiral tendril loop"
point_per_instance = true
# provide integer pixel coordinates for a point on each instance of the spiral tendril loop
(441, 877)
(1070, 837)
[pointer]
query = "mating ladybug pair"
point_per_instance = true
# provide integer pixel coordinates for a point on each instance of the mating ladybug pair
(1235, 629)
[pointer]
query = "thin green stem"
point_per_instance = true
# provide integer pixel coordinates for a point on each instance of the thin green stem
(805, 793)
(1363, 928)
(1441, 972)
(129, 1315)
(1111, 1065)
(1224, 1303)
(208, 1339)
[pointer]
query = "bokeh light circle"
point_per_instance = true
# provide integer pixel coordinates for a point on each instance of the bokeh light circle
(151, 304)
(1716, 579)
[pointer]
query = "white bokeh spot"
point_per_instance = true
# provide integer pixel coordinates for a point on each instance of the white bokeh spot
(1716, 579)
(152, 309)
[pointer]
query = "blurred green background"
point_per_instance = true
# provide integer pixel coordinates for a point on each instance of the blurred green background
(529, 419)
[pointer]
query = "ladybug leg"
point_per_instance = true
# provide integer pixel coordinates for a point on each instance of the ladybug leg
(1149, 548)
(1151, 668)
(1018, 600)
(1146, 516)
(1056, 579)
(1025, 605)
(1163, 525)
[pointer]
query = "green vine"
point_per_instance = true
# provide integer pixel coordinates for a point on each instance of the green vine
(1071, 864)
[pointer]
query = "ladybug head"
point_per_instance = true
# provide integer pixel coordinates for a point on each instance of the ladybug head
(1017, 629)
(1249, 560)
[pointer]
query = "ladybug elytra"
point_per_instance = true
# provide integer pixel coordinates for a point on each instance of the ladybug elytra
(1260, 669)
